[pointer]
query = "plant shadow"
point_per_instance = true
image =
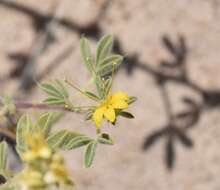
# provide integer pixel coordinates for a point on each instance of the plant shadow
(178, 124)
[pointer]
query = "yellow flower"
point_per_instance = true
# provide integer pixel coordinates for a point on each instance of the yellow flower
(118, 100)
(30, 179)
(57, 172)
(44, 168)
(37, 148)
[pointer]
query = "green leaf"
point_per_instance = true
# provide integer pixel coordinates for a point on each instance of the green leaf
(86, 54)
(100, 86)
(126, 114)
(55, 88)
(62, 88)
(7, 186)
(8, 105)
(47, 119)
(103, 48)
(92, 96)
(132, 99)
(108, 85)
(77, 142)
(57, 92)
(54, 101)
(50, 89)
(105, 139)
(88, 114)
(90, 153)
(61, 138)
(24, 127)
(3, 156)
(109, 64)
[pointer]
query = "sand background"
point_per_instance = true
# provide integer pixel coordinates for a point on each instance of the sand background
(140, 28)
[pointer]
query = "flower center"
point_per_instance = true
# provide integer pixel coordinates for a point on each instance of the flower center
(107, 102)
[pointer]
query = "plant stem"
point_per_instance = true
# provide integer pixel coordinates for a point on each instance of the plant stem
(6, 132)
(42, 106)
(79, 90)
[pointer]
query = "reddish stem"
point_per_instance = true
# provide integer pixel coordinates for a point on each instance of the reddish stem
(29, 105)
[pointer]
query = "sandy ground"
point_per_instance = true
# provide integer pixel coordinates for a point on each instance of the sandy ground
(140, 27)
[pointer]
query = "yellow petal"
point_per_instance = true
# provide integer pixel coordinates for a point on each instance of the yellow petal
(120, 96)
(120, 104)
(110, 114)
(97, 116)
(50, 178)
(45, 152)
(29, 155)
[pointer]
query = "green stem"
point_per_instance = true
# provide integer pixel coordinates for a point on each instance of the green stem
(78, 108)
(78, 89)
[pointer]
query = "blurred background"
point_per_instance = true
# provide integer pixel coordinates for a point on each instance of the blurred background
(171, 64)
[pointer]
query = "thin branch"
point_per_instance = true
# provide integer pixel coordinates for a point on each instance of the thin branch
(6, 132)
(27, 105)
(42, 106)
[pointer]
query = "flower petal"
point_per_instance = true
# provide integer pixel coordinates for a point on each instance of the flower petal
(97, 116)
(120, 96)
(110, 114)
(119, 104)
(45, 152)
